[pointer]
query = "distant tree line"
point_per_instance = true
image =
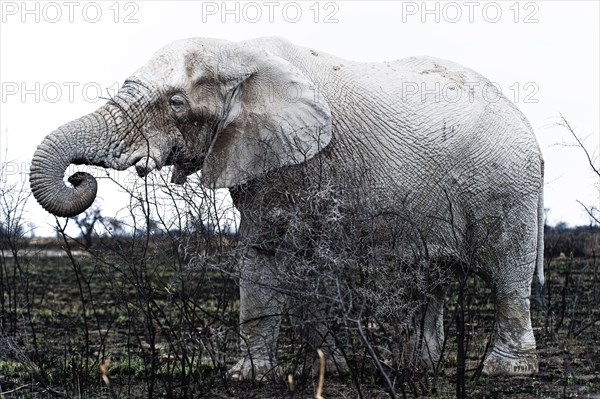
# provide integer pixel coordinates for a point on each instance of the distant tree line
(579, 241)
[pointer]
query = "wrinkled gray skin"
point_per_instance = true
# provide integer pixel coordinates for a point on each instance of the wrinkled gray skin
(240, 111)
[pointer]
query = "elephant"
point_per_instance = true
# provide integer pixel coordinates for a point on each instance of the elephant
(431, 139)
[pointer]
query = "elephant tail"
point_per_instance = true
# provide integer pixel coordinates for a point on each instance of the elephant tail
(539, 262)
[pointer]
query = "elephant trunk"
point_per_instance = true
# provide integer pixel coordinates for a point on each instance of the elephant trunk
(107, 137)
(82, 141)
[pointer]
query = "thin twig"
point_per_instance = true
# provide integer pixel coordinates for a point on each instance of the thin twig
(319, 394)
(104, 368)
(375, 358)
(566, 124)
(2, 393)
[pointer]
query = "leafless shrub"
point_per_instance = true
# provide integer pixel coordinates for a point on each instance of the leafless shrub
(357, 272)
(18, 336)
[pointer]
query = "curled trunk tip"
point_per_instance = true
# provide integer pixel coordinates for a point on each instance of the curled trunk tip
(50, 161)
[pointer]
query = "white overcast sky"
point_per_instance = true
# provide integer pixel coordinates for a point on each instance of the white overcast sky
(544, 55)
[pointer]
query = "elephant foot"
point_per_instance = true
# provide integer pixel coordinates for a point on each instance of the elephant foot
(255, 369)
(503, 365)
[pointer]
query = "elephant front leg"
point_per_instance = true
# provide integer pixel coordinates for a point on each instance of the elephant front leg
(260, 317)
(432, 335)
(514, 350)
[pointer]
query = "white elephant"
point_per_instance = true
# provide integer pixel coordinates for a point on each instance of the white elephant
(429, 136)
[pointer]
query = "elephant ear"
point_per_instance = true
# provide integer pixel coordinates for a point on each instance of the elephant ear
(275, 117)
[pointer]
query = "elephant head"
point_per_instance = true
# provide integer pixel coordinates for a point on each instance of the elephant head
(233, 110)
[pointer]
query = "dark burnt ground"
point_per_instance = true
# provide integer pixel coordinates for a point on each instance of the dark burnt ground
(170, 332)
(567, 330)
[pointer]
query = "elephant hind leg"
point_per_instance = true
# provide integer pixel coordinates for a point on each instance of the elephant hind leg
(514, 351)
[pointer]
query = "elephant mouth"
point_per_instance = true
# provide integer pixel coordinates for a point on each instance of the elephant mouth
(176, 154)
(183, 167)
(154, 160)
(184, 164)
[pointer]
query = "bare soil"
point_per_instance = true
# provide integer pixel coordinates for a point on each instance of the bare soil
(61, 319)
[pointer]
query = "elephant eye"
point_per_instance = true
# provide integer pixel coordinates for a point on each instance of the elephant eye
(178, 103)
